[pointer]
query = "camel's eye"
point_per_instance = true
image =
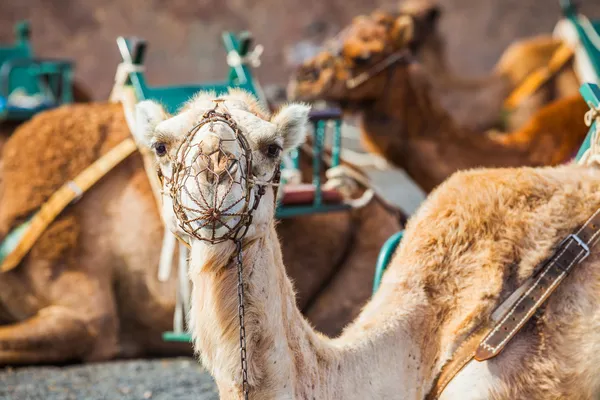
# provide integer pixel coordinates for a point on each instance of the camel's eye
(273, 150)
(160, 149)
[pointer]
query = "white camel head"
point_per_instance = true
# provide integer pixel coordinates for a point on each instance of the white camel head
(219, 156)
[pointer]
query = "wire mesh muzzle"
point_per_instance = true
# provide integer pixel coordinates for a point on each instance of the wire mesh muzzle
(214, 176)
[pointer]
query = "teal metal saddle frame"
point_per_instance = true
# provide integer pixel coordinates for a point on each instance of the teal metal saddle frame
(133, 51)
(19, 69)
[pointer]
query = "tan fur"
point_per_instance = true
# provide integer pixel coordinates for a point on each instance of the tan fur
(476, 103)
(88, 290)
(475, 239)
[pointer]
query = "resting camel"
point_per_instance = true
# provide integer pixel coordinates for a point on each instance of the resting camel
(402, 119)
(476, 238)
(475, 102)
(80, 95)
(89, 291)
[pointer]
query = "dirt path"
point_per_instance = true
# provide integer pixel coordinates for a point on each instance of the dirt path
(165, 379)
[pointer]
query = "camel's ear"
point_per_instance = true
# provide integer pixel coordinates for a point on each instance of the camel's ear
(148, 115)
(403, 30)
(292, 122)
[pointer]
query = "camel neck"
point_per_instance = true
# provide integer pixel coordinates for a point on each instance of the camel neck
(409, 127)
(287, 359)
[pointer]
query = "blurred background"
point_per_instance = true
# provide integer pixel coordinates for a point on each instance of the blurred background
(184, 35)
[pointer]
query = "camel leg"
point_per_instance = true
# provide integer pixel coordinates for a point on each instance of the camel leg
(54, 334)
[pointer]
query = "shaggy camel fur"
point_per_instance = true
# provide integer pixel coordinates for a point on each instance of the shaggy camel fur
(89, 290)
(476, 238)
(476, 103)
(80, 95)
(403, 121)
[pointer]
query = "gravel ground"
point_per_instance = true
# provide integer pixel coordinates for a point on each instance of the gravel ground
(163, 379)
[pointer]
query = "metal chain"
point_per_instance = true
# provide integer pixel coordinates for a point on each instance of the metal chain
(241, 312)
(241, 303)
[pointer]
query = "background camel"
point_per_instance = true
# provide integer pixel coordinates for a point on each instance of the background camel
(81, 94)
(475, 102)
(476, 239)
(403, 120)
(88, 290)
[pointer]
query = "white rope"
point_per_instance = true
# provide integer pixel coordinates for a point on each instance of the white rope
(346, 180)
(166, 256)
(592, 155)
(184, 280)
(252, 58)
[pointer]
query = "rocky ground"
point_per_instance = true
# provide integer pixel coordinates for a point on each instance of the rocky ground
(165, 379)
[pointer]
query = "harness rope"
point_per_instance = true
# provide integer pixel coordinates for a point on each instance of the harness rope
(592, 155)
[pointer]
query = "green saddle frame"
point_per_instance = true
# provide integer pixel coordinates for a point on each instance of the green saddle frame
(133, 51)
(585, 29)
(19, 69)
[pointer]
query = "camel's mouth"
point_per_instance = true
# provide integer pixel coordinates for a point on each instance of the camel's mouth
(210, 188)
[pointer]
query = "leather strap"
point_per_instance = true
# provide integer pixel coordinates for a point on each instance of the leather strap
(69, 192)
(531, 295)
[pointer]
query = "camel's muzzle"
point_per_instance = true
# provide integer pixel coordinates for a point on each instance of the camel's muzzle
(210, 187)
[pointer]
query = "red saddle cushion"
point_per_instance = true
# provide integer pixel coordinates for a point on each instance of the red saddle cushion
(305, 194)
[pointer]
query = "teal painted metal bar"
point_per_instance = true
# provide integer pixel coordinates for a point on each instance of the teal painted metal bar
(385, 255)
(50, 80)
(177, 337)
(172, 97)
(295, 156)
(571, 13)
(319, 136)
(591, 94)
(337, 143)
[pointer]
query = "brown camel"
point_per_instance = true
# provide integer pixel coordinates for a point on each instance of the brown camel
(476, 103)
(88, 290)
(80, 95)
(475, 240)
(403, 121)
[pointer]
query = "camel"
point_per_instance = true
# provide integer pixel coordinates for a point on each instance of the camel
(476, 238)
(475, 102)
(80, 95)
(403, 121)
(89, 291)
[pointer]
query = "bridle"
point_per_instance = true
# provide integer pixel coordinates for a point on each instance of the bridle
(403, 56)
(210, 212)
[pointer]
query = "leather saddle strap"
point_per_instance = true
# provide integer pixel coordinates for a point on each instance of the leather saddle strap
(574, 249)
(571, 251)
(64, 196)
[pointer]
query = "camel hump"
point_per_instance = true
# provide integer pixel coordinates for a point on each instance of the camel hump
(51, 149)
(489, 203)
